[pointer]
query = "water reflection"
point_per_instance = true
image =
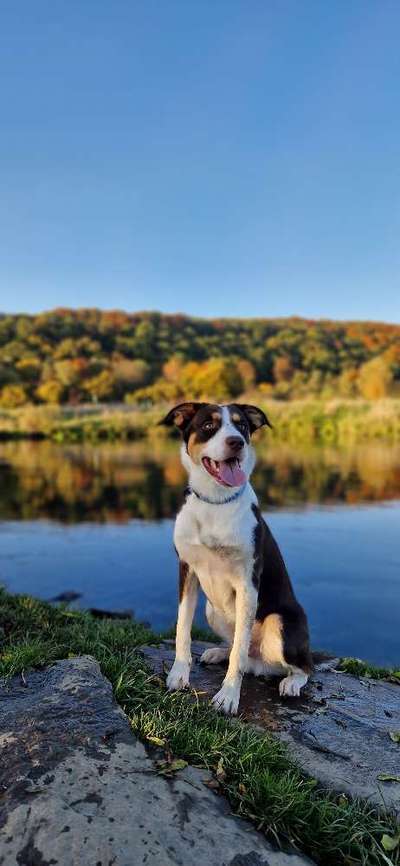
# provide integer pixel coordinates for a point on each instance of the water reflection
(113, 483)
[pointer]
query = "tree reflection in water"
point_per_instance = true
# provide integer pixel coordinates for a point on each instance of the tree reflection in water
(145, 480)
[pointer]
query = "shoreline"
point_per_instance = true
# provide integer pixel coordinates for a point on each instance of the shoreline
(334, 421)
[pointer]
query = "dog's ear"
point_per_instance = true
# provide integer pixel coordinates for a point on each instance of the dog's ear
(256, 417)
(181, 415)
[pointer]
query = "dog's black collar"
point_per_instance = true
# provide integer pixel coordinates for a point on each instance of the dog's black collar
(212, 501)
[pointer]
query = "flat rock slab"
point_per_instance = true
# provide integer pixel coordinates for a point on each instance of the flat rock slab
(77, 787)
(338, 730)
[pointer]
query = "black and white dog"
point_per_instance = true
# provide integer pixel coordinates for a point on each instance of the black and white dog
(224, 545)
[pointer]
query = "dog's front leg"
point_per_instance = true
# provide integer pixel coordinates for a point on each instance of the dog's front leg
(178, 677)
(227, 699)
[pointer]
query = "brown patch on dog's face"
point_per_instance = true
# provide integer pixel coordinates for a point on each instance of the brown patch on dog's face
(194, 448)
(204, 425)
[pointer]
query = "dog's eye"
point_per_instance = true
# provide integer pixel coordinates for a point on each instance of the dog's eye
(207, 426)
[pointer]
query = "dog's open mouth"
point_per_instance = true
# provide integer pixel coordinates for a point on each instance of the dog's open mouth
(227, 472)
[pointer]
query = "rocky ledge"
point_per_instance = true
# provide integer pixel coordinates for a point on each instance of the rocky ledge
(339, 730)
(77, 787)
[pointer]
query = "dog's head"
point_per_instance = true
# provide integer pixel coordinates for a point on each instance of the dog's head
(217, 440)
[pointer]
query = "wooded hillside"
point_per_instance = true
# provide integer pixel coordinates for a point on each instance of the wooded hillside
(74, 356)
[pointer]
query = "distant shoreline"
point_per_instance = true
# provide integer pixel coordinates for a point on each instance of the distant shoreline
(334, 421)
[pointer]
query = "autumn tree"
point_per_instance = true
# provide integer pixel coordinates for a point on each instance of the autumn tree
(130, 374)
(100, 387)
(13, 396)
(375, 379)
(283, 369)
(50, 391)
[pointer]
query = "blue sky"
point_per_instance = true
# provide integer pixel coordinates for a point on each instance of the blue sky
(216, 157)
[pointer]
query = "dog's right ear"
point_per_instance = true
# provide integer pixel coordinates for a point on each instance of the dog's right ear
(181, 415)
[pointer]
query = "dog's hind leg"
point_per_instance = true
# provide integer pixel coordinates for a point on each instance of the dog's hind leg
(221, 627)
(284, 649)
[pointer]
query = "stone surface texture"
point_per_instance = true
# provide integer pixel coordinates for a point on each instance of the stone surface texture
(76, 787)
(338, 730)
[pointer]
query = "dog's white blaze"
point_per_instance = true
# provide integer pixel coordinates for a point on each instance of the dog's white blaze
(215, 448)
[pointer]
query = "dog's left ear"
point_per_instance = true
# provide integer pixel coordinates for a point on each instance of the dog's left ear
(256, 417)
(181, 415)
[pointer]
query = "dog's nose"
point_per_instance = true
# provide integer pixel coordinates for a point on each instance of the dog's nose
(235, 443)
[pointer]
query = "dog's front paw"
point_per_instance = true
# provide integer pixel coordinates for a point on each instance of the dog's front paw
(178, 677)
(227, 699)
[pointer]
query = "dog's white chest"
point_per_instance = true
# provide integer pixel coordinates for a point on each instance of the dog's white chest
(217, 544)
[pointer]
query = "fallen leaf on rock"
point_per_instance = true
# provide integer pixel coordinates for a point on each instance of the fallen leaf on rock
(394, 736)
(220, 772)
(389, 843)
(169, 768)
(178, 764)
(388, 777)
(157, 741)
(212, 783)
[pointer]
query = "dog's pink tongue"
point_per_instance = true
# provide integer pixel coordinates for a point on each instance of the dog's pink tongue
(232, 474)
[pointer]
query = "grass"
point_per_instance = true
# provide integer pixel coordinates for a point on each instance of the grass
(363, 669)
(305, 420)
(256, 772)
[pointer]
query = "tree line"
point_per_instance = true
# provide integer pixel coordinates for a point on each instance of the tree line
(89, 355)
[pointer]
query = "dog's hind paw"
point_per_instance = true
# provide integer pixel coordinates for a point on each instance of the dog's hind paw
(214, 655)
(178, 677)
(290, 686)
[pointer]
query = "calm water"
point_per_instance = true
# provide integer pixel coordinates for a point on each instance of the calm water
(98, 520)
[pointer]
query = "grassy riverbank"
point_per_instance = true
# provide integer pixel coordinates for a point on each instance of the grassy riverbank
(255, 772)
(335, 421)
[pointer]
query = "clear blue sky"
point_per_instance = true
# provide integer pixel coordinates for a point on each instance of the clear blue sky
(216, 157)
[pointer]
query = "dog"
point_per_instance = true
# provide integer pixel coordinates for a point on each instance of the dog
(225, 546)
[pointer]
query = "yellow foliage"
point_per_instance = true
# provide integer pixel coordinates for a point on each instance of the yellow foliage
(375, 379)
(50, 391)
(13, 396)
